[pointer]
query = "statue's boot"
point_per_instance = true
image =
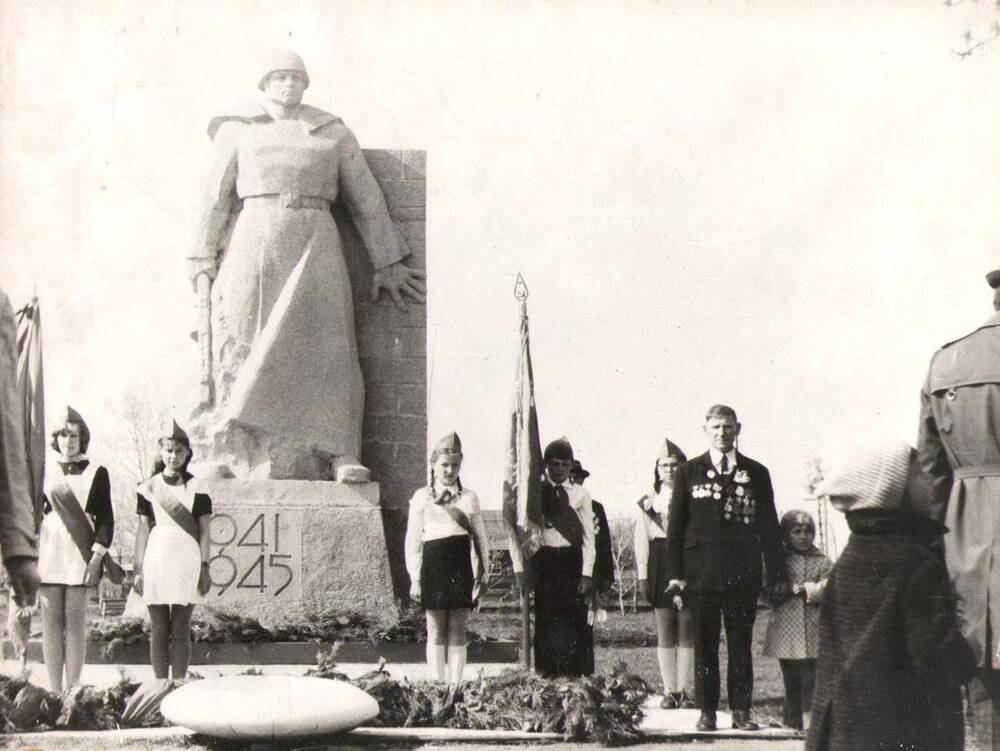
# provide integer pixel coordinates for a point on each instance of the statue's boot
(348, 469)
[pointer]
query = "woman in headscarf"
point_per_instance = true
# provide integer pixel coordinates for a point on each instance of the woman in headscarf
(674, 626)
(447, 558)
(77, 527)
(281, 304)
(891, 656)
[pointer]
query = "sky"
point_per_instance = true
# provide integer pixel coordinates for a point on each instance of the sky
(783, 207)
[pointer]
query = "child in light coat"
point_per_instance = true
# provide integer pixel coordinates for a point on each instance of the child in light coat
(793, 631)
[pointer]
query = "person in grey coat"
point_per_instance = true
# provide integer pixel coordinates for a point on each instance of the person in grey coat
(891, 656)
(959, 448)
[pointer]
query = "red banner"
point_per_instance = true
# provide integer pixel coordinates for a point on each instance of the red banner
(522, 486)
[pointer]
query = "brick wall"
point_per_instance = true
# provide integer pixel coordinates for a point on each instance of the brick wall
(393, 350)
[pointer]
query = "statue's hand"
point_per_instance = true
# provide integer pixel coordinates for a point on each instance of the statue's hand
(399, 279)
(198, 265)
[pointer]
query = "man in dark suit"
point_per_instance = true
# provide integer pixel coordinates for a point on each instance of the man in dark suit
(721, 523)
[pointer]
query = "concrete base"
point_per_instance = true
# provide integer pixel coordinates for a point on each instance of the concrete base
(285, 548)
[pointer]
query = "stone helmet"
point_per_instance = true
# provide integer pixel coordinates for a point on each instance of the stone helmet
(285, 60)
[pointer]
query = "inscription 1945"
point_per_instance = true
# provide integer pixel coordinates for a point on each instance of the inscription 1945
(255, 554)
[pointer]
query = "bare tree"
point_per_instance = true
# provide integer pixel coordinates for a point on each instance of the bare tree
(623, 557)
(813, 473)
(128, 453)
(987, 25)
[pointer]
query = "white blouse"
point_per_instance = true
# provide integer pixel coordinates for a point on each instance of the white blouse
(646, 529)
(581, 502)
(430, 521)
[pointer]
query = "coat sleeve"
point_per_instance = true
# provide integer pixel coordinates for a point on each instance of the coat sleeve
(100, 509)
(678, 517)
(932, 457)
(17, 523)
(604, 565)
(814, 589)
(414, 544)
(770, 531)
(362, 197)
(640, 545)
(933, 641)
(220, 203)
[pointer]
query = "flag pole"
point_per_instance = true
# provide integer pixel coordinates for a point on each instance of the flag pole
(521, 295)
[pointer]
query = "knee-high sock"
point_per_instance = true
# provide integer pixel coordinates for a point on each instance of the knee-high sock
(685, 670)
(667, 657)
(437, 654)
(76, 633)
(456, 663)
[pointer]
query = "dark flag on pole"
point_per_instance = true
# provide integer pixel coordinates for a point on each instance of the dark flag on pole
(30, 390)
(522, 485)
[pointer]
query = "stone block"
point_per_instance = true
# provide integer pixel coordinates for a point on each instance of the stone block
(379, 457)
(415, 165)
(401, 428)
(407, 213)
(284, 548)
(384, 164)
(412, 400)
(414, 230)
(376, 341)
(403, 370)
(411, 460)
(401, 193)
(382, 400)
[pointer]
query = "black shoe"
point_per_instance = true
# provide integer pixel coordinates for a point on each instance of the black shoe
(686, 702)
(706, 721)
(742, 721)
(669, 700)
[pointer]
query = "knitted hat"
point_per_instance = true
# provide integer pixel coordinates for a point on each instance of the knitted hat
(560, 448)
(450, 444)
(669, 448)
(871, 478)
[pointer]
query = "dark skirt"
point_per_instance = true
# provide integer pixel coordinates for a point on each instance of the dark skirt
(446, 578)
(656, 573)
(559, 638)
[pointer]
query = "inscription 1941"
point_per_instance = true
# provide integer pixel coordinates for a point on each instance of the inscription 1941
(256, 554)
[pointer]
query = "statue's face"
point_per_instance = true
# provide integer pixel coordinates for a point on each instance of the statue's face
(285, 87)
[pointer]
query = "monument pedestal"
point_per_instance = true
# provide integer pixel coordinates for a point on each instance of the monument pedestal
(284, 548)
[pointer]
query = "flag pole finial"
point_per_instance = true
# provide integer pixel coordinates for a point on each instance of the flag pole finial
(520, 288)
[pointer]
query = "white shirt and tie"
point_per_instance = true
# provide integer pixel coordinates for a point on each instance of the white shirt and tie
(717, 457)
(581, 502)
